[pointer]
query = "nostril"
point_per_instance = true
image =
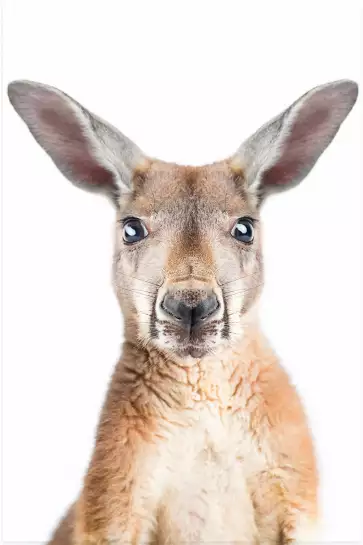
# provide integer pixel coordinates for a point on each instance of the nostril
(189, 314)
(167, 305)
(176, 308)
(212, 305)
(205, 309)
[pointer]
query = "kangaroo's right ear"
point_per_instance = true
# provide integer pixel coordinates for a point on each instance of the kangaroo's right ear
(283, 151)
(87, 150)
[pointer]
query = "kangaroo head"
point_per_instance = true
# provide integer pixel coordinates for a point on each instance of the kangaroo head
(188, 261)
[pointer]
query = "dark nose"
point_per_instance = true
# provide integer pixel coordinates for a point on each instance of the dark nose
(187, 309)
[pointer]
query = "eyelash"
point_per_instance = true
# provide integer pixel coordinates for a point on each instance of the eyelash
(128, 218)
(254, 221)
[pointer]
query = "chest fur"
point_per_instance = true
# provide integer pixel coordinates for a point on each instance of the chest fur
(201, 477)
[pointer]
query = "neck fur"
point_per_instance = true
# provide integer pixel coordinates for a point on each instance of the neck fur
(155, 381)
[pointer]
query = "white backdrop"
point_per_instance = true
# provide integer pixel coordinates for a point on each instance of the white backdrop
(188, 81)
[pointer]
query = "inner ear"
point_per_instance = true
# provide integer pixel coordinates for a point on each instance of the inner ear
(90, 152)
(80, 161)
(295, 152)
(283, 151)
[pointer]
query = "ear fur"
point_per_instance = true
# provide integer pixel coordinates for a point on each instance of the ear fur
(87, 150)
(283, 151)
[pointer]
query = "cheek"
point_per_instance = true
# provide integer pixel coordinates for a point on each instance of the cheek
(232, 263)
(240, 276)
(141, 260)
(138, 275)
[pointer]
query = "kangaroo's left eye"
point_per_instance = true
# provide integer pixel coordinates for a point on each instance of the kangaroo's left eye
(243, 230)
(134, 230)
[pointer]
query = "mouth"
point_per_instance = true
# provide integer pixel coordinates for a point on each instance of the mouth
(189, 321)
(194, 351)
(193, 341)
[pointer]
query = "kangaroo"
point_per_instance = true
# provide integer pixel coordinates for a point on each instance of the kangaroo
(202, 437)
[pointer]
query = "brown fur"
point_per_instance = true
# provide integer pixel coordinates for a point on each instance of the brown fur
(202, 437)
(154, 393)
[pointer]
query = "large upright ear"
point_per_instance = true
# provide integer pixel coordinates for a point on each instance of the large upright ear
(86, 149)
(284, 150)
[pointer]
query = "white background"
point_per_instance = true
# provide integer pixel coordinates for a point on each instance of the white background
(188, 81)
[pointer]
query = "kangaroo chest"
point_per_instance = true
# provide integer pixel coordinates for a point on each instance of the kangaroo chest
(203, 471)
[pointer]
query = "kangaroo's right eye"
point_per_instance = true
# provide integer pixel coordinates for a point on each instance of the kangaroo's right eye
(134, 230)
(243, 230)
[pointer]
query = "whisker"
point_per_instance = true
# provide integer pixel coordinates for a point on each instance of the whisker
(236, 279)
(230, 293)
(232, 313)
(234, 321)
(148, 293)
(146, 281)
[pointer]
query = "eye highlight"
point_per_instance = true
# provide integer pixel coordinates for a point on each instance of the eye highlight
(243, 230)
(133, 230)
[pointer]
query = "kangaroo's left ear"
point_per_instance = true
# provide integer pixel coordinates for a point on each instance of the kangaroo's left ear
(90, 152)
(284, 150)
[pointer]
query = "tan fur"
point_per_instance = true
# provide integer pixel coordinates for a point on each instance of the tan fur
(206, 450)
(202, 437)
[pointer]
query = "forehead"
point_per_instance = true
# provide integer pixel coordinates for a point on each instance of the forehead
(168, 187)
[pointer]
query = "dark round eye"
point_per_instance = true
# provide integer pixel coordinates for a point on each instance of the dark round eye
(134, 230)
(243, 230)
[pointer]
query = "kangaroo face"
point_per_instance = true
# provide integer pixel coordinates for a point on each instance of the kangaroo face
(188, 259)
(187, 265)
